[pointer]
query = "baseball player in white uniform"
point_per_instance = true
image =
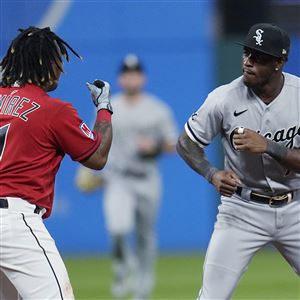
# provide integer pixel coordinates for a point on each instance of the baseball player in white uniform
(258, 118)
(144, 128)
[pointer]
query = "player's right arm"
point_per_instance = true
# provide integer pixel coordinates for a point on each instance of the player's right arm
(225, 182)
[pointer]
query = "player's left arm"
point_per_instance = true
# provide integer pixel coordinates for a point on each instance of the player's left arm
(165, 141)
(100, 92)
(149, 148)
(253, 142)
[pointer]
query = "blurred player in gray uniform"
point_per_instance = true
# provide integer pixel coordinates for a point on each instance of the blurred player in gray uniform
(258, 118)
(144, 128)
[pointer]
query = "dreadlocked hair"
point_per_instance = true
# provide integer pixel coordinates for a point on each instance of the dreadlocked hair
(32, 56)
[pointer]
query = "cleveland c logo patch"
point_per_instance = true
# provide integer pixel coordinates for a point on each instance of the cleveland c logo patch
(86, 130)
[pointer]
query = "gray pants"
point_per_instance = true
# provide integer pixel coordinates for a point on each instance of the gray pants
(131, 206)
(243, 228)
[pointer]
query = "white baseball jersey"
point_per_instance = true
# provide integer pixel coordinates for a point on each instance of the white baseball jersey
(148, 118)
(234, 105)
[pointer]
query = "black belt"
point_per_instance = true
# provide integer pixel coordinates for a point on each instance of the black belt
(273, 201)
(4, 204)
(135, 174)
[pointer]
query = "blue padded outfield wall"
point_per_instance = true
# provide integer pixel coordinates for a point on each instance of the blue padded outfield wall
(175, 40)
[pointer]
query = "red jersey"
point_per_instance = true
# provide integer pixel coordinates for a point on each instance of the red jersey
(35, 133)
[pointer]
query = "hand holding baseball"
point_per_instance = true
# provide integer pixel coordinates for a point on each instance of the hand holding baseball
(240, 130)
(249, 140)
(100, 91)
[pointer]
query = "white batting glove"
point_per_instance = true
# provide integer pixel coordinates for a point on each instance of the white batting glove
(100, 92)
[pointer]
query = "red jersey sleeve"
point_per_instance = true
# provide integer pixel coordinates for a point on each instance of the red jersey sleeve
(72, 135)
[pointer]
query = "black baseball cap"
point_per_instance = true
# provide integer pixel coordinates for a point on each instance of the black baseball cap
(131, 62)
(269, 39)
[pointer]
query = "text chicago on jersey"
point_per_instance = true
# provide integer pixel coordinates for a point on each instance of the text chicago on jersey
(281, 135)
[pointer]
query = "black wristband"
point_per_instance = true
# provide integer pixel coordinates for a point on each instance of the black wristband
(275, 150)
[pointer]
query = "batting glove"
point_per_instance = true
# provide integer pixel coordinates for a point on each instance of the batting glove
(100, 91)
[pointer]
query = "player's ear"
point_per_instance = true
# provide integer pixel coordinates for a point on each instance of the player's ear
(143, 79)
(121, 80)
(279, 64)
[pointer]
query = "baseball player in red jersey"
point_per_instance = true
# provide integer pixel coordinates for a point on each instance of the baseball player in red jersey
(36, 131)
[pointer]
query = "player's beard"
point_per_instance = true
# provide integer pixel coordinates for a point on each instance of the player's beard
(263, 84)
(254, 82)
(249, 84)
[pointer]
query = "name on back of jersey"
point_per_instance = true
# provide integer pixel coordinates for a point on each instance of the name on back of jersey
(16, 106)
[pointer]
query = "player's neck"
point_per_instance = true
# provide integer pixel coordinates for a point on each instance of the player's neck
(268, 92)
(133, 98)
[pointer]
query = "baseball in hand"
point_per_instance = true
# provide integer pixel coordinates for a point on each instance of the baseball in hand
(99, 83)
(241, 130)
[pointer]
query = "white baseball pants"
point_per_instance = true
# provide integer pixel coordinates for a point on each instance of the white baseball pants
(30, 266)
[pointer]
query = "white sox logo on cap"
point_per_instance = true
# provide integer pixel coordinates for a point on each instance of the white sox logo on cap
(258, 37)
(269, 39)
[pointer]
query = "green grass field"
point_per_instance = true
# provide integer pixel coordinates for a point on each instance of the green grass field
(179, 277)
